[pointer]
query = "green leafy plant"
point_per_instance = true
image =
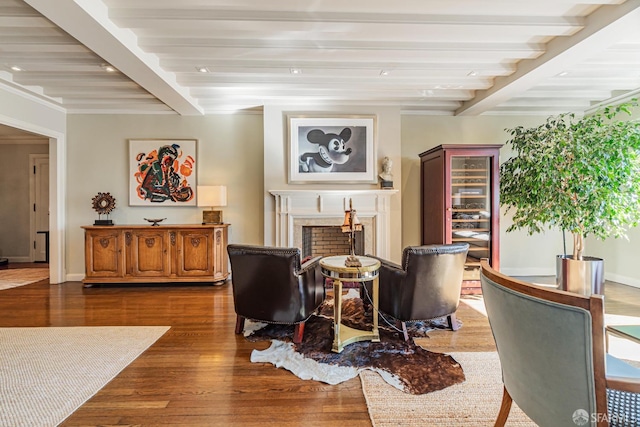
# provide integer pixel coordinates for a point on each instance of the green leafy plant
(580, 175)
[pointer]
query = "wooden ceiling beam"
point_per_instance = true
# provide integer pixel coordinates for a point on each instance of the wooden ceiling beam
(89, 23)
(605, 26)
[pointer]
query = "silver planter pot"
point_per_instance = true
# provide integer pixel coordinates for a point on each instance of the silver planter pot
(584, 276)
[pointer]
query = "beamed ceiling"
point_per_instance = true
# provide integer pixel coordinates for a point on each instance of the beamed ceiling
(439, 57)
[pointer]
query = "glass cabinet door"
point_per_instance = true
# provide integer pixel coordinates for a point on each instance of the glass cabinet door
(471, 209)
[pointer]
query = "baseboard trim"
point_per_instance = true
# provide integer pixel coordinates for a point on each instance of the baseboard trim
(18, 258)
(74, 277)
(623, 280)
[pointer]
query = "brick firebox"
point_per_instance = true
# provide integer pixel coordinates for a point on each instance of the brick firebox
(328, 241)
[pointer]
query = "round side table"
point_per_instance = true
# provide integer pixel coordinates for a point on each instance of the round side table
(333, 267)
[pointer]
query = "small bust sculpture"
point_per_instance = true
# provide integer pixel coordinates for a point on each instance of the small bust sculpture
(386, 176)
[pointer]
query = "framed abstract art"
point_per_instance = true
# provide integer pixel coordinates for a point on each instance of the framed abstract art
(162, 172)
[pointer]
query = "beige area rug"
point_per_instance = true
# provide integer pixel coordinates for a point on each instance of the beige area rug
(14, 277)
(47, 373)
(474, 402)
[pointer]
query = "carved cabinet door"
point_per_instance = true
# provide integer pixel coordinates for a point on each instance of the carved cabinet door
(194, 252)
(103, 253)
(149, 252)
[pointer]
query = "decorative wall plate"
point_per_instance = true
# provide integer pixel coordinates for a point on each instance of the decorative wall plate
(103, 203)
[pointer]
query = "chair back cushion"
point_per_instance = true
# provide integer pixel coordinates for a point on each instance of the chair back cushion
(433, 280)
(546, 353)
(267, 285)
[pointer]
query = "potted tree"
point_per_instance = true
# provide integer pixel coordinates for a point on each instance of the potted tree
(579, 175)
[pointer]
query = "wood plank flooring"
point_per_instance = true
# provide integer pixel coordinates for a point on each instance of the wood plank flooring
(199, 373)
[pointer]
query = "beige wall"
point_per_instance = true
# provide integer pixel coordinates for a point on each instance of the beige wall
(620, 257)
(276, 158)
(15, 209)
(230, 152)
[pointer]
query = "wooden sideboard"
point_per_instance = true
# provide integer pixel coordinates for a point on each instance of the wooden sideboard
(148, 254)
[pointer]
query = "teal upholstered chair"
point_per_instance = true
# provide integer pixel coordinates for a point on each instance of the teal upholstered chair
(552, 351)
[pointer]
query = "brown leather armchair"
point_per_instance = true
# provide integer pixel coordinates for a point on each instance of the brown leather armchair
(270, 285)
(426, 286)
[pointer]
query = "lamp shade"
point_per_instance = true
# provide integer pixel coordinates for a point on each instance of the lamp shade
(212, 195)
(351, 222)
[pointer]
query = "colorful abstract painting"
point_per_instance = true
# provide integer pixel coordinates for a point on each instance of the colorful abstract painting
(162, 172)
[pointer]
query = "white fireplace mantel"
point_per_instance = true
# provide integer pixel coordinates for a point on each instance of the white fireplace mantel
(298, 208)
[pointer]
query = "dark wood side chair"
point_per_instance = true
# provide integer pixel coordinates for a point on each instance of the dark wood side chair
(271, 285)
(425, 287)
(551, 347)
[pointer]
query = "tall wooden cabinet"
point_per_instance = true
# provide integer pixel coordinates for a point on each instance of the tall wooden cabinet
(460, 202)
(147, 254)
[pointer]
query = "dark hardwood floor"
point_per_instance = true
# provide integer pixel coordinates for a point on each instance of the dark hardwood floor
(199, 373)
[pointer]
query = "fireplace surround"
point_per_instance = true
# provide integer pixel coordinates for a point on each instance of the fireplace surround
(296, 209)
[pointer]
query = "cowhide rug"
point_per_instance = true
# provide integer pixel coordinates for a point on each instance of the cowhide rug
(404, 365)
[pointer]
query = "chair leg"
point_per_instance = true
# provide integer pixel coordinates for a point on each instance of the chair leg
(298, 333)
(239, 324)
(403, 326)
(452, 322)
(504, 409)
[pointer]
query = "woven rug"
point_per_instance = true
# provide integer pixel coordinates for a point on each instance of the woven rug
(474, 402)
(14, 277)
(47, 373)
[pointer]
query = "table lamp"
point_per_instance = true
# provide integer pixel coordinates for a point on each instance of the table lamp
(351, 225)
(212, 196)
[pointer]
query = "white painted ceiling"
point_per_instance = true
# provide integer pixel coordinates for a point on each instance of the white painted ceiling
(447, 57)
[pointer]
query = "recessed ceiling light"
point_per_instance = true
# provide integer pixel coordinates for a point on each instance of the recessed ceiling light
(384, 73)
(108, 68)
(295, 71)
(563, 73)
(16, 68)
(202, 69)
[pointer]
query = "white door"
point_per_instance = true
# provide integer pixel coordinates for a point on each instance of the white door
(40, 207)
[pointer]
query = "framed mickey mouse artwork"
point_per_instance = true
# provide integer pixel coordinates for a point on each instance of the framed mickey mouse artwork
(339, 149)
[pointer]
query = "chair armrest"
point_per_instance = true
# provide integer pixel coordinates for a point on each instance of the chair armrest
(310, 264)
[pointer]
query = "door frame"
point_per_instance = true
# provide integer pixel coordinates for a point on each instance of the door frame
(57, 192)
(34, 160)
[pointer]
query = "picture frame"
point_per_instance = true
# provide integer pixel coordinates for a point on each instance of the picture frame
(336, 149)
(162, 172)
